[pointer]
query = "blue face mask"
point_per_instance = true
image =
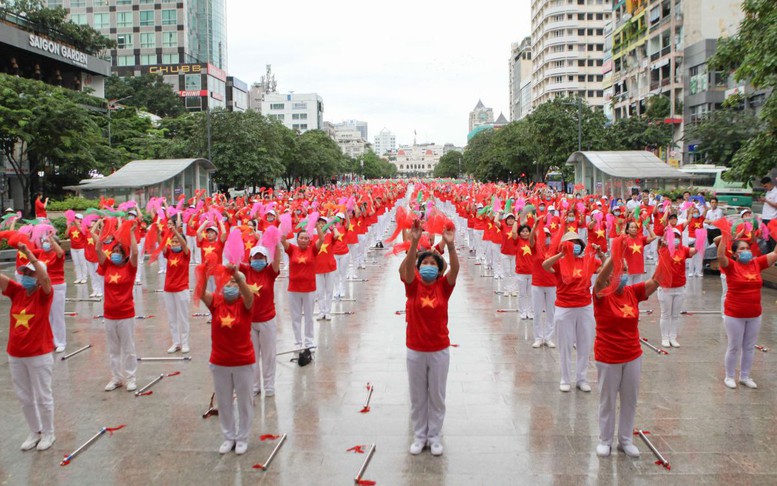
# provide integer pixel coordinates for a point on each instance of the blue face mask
(176, 249)
(231, 293)
(116, 258)
(624, 281)
(46, 247)
(429, 272)
(577, 249)
(29, 282)
(745, 257)
(258, 265)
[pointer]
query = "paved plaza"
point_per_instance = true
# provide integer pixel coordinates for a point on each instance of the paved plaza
(506, 424)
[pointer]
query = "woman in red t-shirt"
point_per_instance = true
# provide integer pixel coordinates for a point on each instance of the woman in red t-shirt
(302, 283)
(326, 267)
(508, 248)
(119, 308)
(40, 207)
(54, 257)
(523, 271)
(634, 253)
(742, 307)
(232, 359)
(428, 358)
(176, 289)
(29, 348)
(671, 297)
(618, 355)
(77, 245)
(543, 288)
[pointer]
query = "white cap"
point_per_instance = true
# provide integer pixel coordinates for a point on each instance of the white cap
(340, 215)
(79, 216)
(744, 211)
(132, 212)
(260, 249)
(508, 215)
(30, 266)
(551, 208)
(272, 211)
(214, 228)
(9, 210)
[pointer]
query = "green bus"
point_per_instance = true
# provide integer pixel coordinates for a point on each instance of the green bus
(709, 178)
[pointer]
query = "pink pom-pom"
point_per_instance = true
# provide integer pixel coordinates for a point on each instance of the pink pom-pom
(234, 249)
(285, 220)
(70, 216)
(764, 232)
(520, 203)
(701, 240)
(350, 205)
(565, 203)
(580, 208)
(255, 209)
(598, 217)
(41, 231)
(126, 206)
(312, 220)
(270, 239)
(496, 206)
(686, 206)
(670, 237)
(88, 219)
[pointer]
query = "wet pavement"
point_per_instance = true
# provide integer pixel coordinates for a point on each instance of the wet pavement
(507, 423)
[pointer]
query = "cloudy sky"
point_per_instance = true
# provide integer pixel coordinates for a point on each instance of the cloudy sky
(405, 65)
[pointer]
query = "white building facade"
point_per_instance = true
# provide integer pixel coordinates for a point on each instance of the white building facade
(350, 141)
(361, 126)
(418, 160)
(520, 75)
(385, 141)
(297, 111)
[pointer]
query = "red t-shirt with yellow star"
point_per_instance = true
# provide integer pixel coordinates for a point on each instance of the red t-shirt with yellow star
(230, 333)
(634, 254)
(302, 268)
(325, 259)
(30, 333)
(575, 291)
(209, 248)
(427, 314)
(617, 325)
(681, 253)
(119, 283)
(743, 299)
(177, 276)
(77, 238)
(262, 284)
(341, 242)
(524, 257)
(55, 266)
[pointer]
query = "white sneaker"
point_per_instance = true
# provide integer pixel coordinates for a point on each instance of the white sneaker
(77, 281)
(417, 447)
(226, 446)
(629, 449)
(173, 349)
(31, 441)
(327, 317)
(730, 383)
(524, 316)
(185, 348)
(320, 317)
(550, 344)
(269, 393)
(161, 272)
(748, 382)
(665, 343)
(584, 387)
(113, 384)
(564, 387)
(60, 349)
(241, 447)
(131, 385)
(93, 294)
(83, 280)
(436, 448)
(531, 316)
(603, 450)
(46, 441)
(98, 295)
(537, 344)
(674, 343)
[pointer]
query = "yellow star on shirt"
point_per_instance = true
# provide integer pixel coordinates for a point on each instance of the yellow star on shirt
(635, 248)
(570, 228)
(90, 240)
(627, 311)
(21, 255)
(169, 242)
(577, 272)
(751, 276)
(323, 248)
(227, 321)
(490, 225)
(350, 227)
(115, 278)
(340, 237)
(553, 225)
(428, 302)
(526, 249)
(600, 233)
(208, 250)
(677, 259)
(107, 253)
(174, 262)
(204, 234)
(302, 259)
(255, 288)
(75, 234)
(23, 319)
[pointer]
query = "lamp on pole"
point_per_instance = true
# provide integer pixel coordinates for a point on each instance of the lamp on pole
(111, 104)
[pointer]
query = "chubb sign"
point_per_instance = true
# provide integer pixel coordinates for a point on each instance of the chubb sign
(68, 53)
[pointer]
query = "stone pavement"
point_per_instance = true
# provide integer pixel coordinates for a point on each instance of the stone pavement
(507, 423)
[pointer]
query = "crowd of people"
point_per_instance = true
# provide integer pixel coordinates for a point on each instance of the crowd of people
(577, 264)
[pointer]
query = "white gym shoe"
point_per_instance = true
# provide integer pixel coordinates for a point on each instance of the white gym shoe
(748, 382)
(269, 393)
(524, 316)
(674, 343)
(46, 441)
(328, 317)
(629, 449)
(564, 387)
(550, 344)
(436, 448)
(603, 450)
(226, 446)
(730, 383)
(537, 344)
(584, 387)
(31, 441)
(60, 349)
(185, 348)
(173, 349)
(241, 448)
(320, 317)
(417, 447)
(113, 384)
(131, 385)
(665, 343)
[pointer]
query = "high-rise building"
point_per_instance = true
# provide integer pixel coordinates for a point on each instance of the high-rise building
(350, 141)
(568, 49)
(356, 124)
(385, 141)
(480, 115)
(520, 75)
(298, 111)
(237, 94)
(257, 91)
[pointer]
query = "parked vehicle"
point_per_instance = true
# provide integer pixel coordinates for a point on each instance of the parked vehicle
(708, 178)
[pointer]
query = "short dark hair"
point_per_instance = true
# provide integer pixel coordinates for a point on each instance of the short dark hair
(522, 227)
(767, 180)
(437, 258)
(714, 199)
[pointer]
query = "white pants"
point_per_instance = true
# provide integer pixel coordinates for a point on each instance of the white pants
(121, 348)
(229, 380)
(95, 279)
(471, 241)
(742, 337)
(191, 242)
(618, 379)
(162, 263)
(723, 292)
(79, 263)
(31, 379)
(543, 298)
(575, 326)
(351, 269)
(57, 314)
(325, 285)
(300, 302)
(263, 337)
(508, 270)
(342, 273)
(480, 247)
(141, 259)
(524, 293)
(696, 264)
(177, 305)
(428, 376)
(671, 300)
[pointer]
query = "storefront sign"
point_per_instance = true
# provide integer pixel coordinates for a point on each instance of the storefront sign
(165, 69)
(193, 92)
(67, 53)
(217, 73)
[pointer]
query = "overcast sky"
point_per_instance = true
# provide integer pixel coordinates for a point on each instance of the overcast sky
(405, 65)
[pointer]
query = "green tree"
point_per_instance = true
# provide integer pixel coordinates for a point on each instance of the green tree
(148, 92)
(721, 133)
(752, 56)
(450, 165)
(317, 160)
(43, 127)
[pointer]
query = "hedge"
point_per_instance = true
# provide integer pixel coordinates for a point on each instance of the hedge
(74, 203)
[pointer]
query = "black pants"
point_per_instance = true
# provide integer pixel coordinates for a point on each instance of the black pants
(772, 238)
